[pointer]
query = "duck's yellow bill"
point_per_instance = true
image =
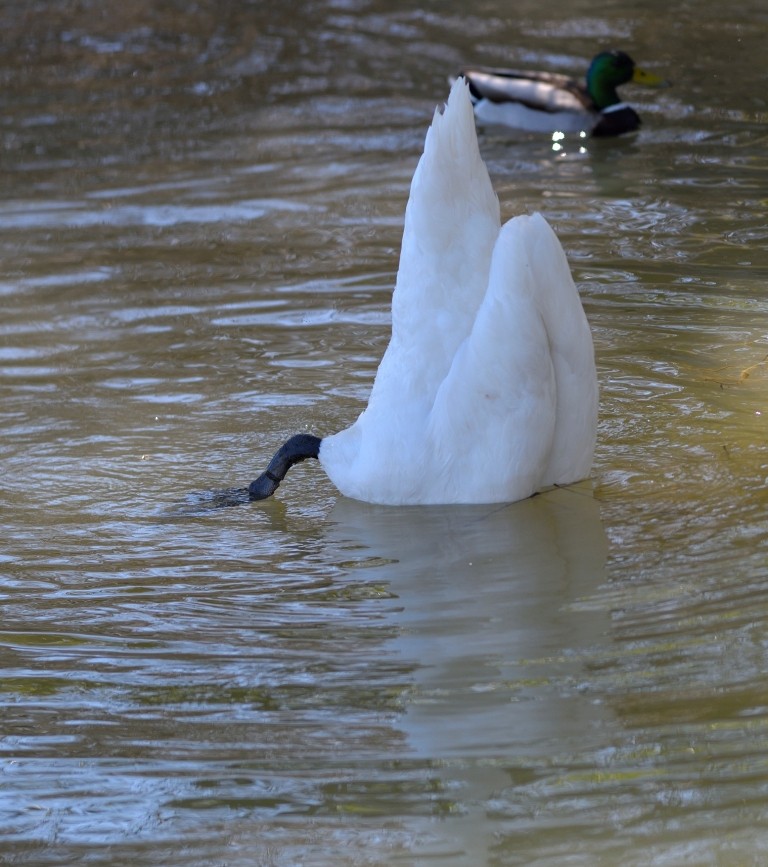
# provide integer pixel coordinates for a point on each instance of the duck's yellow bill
(649, 79)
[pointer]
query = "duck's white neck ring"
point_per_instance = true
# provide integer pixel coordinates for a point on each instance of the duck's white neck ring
(618, 106)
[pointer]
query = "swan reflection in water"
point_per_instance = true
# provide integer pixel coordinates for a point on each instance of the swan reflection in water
(493, 616)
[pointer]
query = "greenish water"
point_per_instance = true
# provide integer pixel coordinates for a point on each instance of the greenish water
(199, 233)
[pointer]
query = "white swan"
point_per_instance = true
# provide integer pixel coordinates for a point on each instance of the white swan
(487, 391)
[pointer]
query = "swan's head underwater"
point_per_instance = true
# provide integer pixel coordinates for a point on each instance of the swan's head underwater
(487, 391)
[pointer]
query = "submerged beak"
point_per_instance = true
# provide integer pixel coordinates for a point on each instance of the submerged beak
(649, 79)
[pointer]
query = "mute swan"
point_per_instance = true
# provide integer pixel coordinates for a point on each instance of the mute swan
(548, 102)
(487, 391)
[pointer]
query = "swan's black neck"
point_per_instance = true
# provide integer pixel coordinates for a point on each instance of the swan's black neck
(295, 450)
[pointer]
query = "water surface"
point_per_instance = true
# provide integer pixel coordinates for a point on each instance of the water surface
(199, 234)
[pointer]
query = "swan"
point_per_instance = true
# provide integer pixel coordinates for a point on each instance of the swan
(550, 102)
(487, 391)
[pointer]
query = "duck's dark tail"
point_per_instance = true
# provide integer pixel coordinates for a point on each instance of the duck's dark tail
(298, 448)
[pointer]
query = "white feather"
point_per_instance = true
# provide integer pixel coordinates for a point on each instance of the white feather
(519, 116)
(487, 391)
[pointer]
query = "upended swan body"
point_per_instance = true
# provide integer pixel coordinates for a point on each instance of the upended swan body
(487, 391)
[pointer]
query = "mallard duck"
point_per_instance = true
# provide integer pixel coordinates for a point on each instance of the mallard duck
(549, 102)
(487, 391)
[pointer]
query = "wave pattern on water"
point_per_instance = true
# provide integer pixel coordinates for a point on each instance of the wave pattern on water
(199, 238)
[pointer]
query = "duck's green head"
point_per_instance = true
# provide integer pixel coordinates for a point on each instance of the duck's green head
(608, 70)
